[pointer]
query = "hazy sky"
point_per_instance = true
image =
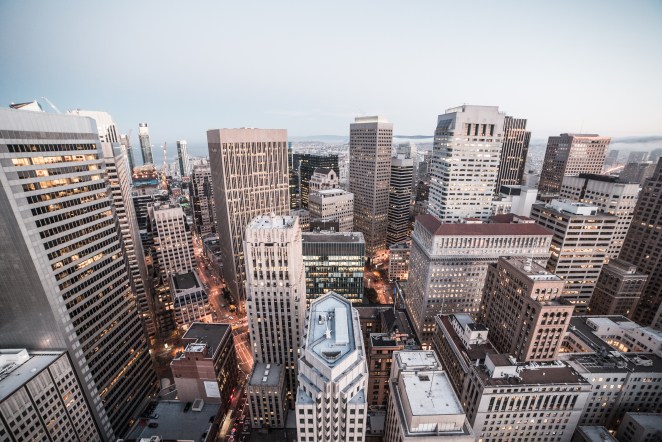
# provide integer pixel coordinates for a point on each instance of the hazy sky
(311, 66)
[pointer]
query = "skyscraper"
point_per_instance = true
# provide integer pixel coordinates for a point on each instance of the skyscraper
(306, 164)
(332, 205)
(399, 200)
(513, 152)
(523, 309)
(333, 375)
(579, 248)
(643, 244)
(183, 159)
(65, 277)
(370, 140)
(617, 290)
(570, 155)
(465, 163)
(145, 145)
(204, 208)
(275, 292)
(610, 195)
(249, 175)
(173, 240)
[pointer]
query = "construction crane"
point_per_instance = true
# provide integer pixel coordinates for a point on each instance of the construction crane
(164, 182)
(52, 105)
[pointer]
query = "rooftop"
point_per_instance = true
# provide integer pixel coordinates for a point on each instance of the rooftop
(175, 424)
(185, 281)
(271, 222)
(371, 119)
(433, 225)
(430, 393)
(595, 434)
(210, 334)
(267, 375)
(647, 420)
(330, 237)
(322, 170)
(330, 331)
(417, 360)
(332, 192)
(530, 268)
(383, 340)
(18, 366)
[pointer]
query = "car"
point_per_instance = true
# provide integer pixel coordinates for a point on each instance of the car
(153, 425)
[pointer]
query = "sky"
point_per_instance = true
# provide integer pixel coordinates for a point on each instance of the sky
(310, 66)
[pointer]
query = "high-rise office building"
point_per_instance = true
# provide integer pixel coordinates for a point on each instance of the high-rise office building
(398, 261)
(204, 208)
(643, 244)
(465, 163)
(410, 151)
(370, 140)
(523, 309)
(582, 235)
(422, 405)
(640, 427)
(41, 398)
(249, 176)
(172, 240)
(399, 199)
(306, 164)
(65, 280)
(145, 144)
(323, 179)
(293, 176)
(610, 195)
(276, 292)
(513, 152)
(126, 142)
(183, 158)
(332, 205)
(333, 375)
(334, 261)
(618, 289)
(637, 172)
(449, 261)
(570, 155)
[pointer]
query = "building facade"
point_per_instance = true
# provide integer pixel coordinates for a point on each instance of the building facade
(306, 164)
(190, 300)
(617, 290)
(399, 200)
(370, 141)
(267, 396)
(570, 155)
(249, 177)
(183, 159)
(333, 375)
(582, 235)
(202, 196)
(513, 152)
(449, 261)
(145, 144)
(398, 261)
(332, 205)
(323, 179)
(173, 240)
(66, 282)
(465, 162)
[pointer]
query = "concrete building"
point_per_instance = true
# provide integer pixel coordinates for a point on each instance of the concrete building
(640, 427)
(398, 261)
(267, 396)
(334, 261)
(449, 263)
(333, 375)
(570, 155)
(66, 282)
(637, 172)
(183, 159)
(523, 307)
(642, 248)
(592, 434)
(514, 199)
(276, 292)
(617, 290)
(41, 398)
(304, 218)
(399, 200)
(370, 141)
(323, 179)
(145, 144)
(190, 300)
(173, 240)
(465, 163)
(306, 164)
(623, 376)
(505, 399)
(332, 205)
(423, 406)
(202, 201)
(513, 152)
(582, 235)
(207, 368)
(249, 177)
(381, 347)
(610, 195)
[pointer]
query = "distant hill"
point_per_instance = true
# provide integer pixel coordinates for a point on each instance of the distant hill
(322, 138)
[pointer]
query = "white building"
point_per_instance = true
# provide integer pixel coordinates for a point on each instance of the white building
(422, 405)
(448, 264)
(465, 163)
(333, 374)
(514, 199)
(276, 292)
(398, 261)
(332, 205)
(172, 240)
(322, 179)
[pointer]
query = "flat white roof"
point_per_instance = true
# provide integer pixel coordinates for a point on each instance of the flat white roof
(430, 393)
(330, 334)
